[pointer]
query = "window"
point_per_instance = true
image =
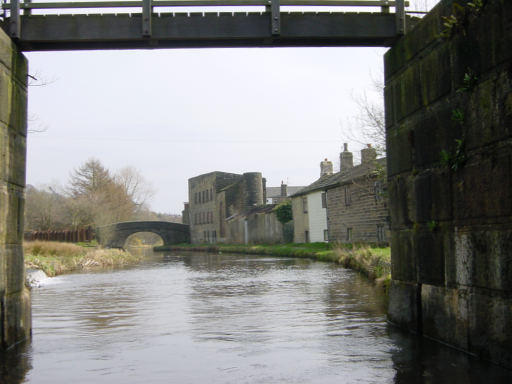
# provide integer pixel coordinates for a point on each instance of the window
(349, 234)
(326, 235)
(195, 197)
(305, 204)
(380, 233)
(214, 236)
(306, 236)
(204, 196)
(324, 200)
(378, 190)
(199, 197)
(211, 193)
(348, 195)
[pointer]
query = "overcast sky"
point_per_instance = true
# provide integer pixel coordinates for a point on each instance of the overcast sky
(175, 114)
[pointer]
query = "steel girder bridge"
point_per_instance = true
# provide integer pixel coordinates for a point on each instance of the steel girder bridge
(47, 26)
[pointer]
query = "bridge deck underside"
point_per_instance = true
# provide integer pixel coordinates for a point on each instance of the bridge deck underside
(204, 30)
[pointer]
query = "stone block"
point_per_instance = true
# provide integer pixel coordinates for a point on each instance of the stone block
(403, 257)
(403, 305)
(507, 118)
(11, 214)
(435, 74)
(492, 259)
(13, 104)
(423, 198)
(400, 195)
(444, 314)
(408, 92)
(435, 132)
(389, 100)
(5, 92)
(399, 143)
(441, 188)
(482, 258)
(12, 60)
(14, 267)
(487, 111)
(430, 250)
(13, 154)
(18, 322)
(6, 47)
(490, 326)
(483, 188)
(460, 268)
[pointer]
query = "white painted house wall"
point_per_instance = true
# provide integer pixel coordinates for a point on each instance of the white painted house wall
(317, 217)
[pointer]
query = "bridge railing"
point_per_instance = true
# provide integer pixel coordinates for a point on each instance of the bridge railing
(14, 8)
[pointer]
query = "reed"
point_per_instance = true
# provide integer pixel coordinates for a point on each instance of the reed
(56, 258)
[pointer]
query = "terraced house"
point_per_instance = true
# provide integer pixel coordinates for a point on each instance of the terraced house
(347, 206)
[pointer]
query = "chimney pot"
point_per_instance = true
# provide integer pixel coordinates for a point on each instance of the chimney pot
(346, 158)
(325, 168)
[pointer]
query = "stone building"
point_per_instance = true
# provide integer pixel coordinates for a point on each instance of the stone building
(276, 195)
(357, 204)
(215, 196)
(258, 225)
(347, 206)
(309, 207)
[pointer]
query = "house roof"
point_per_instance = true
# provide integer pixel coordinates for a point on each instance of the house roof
(259, 209)
(321, 184)
(339, 178)
(276, 191)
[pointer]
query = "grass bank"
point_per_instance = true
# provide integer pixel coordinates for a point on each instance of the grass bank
(56, 258)
(373, 262)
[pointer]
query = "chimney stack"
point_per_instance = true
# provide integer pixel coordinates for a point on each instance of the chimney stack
(346, 159)
(284, 189)
(325, 168)
(368, 154)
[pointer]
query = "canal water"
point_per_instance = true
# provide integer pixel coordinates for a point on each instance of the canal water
(204, 318)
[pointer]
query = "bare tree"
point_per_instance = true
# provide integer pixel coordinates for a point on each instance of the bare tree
(44, 209)
(134, 185)
(97, 198)
(367, 126)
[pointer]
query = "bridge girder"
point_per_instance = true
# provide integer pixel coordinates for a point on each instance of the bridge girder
(204, 30)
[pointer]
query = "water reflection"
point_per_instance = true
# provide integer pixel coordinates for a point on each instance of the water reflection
(422, 361)
(15, 363)
(226, 319)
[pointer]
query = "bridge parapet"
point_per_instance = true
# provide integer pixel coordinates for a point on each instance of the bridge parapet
(115, 235)
(262, 23)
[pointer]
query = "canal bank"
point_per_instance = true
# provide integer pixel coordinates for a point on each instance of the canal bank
(373, 262)
(56, 258)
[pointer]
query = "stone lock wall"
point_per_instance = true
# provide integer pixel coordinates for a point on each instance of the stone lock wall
(449, 136)
(15, 320)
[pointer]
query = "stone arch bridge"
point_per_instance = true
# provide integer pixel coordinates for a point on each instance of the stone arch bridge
(115, 235)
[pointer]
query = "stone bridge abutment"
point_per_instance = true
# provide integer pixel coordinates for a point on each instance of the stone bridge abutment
(15, 321)
(449, 141)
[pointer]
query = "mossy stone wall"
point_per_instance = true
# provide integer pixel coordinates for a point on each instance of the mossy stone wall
(15, 320)
(449, 135)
